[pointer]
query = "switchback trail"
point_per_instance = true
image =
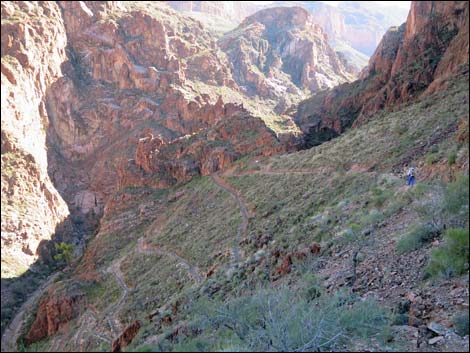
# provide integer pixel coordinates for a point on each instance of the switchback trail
(114, 322)
(241, 231)
(11, 334)
(194, 271)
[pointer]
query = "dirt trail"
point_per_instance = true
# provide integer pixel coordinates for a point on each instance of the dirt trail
(279, 172)
(194, 271)
(243, 226)
(11, 334)
(115, 269)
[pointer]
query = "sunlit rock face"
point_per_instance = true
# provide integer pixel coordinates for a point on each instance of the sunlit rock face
(415, 58)
(281, 51)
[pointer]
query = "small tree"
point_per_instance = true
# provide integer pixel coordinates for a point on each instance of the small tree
(64, 252)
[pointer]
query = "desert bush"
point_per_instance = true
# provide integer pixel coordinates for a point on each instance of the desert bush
(373, 218)
(379, 197)
(456, 198)
(312, 289)
(452, 157)
(415, 238)
(446, 206)
(451, 259)
(461, 323)
(285, 321)
(432, 158)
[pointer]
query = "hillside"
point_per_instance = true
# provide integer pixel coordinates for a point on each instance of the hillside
(166, 189)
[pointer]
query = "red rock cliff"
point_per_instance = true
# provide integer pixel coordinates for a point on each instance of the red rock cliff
(420, 55)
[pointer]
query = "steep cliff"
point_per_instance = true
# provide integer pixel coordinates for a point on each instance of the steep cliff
(280, 52)
(403, 66)
(33, 49)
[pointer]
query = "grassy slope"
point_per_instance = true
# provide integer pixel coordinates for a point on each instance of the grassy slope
(331, 204)
(286, 205)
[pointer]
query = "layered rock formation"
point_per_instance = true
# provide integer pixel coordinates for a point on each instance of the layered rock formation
(354, 28)
(33, 48)
(202, 153)
(280, 51)
(407, 61)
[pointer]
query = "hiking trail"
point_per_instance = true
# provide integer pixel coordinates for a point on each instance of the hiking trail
(243, 226)
(114, 321)
(194, 271)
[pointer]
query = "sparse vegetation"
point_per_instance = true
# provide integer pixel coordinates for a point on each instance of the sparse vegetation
(461, 323)
(281, 321)
(417, 236)
(452, 157)
(452, 258)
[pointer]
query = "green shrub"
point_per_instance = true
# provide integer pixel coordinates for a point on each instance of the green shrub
(432, 158)
(451, 259)
(445, 206)
(64, 252)
(415, 238)
(283, 320)
(373, 218)
(452, 157)
(379, 197)
(461, 323)
(312, 289)
(456, 201)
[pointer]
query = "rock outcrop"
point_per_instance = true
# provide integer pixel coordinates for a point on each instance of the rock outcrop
(53, 314)
(159, 163)
(279, 52)
(409, 59)
(126, 337)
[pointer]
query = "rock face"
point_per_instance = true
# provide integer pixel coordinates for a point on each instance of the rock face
(52, 315)
(202, 153)
(126, 337)
(410, 59)
(33, 49)
(354, 28)
(281, 51)
(123, 76)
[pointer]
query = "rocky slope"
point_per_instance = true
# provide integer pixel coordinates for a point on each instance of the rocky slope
(281, 52)
(410, 59)
(262, 223)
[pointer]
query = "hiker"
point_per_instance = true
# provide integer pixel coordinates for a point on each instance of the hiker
(411, 176)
